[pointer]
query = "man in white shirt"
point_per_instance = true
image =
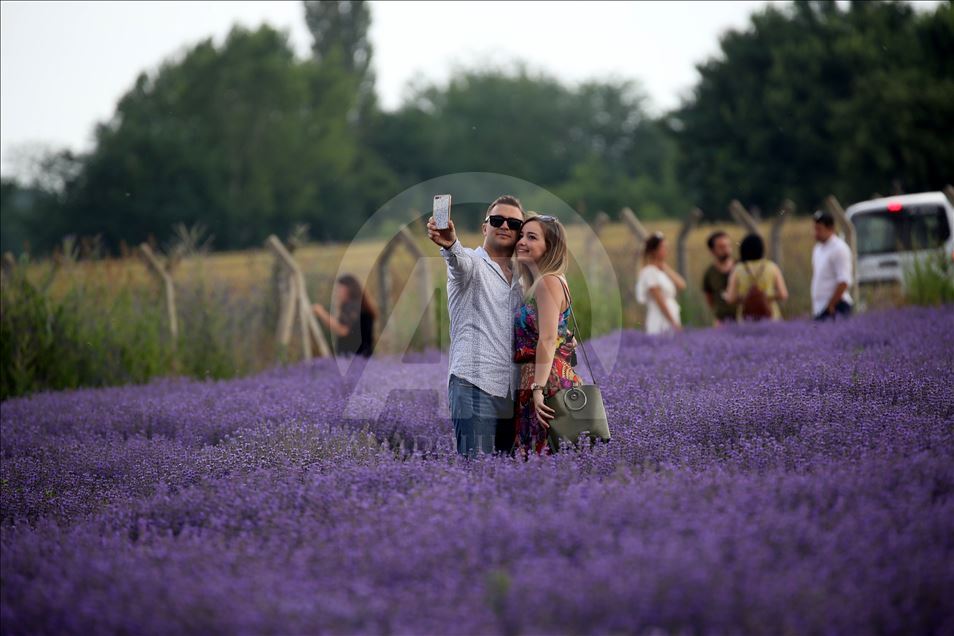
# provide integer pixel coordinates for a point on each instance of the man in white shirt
(831, 270)
(482, 294)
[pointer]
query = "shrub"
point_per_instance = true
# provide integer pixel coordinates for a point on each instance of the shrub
(93, 335)
(929, 280)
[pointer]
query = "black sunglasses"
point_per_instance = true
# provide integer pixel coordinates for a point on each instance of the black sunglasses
(497, 220)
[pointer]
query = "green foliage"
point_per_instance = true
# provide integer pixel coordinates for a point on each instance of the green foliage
(33, 204)
(813, 98)
(593, 145)
(104, 331)
(340, 37)
(929, 280)
(32, 331)
(243, 138)
(341, 29)
(90, 337)
(17, 202)
(810, 98)
(594, 318)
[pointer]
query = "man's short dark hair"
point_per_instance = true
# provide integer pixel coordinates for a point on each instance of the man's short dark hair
(825, 218)
(715, 236)
(752, 248)
(507, 199)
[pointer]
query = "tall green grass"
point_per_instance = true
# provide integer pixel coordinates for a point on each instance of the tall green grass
(929, 280)
(91, 336)
(103, 331)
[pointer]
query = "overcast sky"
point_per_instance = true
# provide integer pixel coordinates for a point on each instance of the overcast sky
(65, 64)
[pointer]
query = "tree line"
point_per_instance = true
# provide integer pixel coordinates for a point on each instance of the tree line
(249, 139)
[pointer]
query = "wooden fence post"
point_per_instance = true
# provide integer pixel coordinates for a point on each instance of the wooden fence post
(638, 230)
(743, 218)
(640, 234)
(284, 283)
(297, 296)
(425, 287)
(288, 299)
(384, 278)
(9, 264)
(787, 209)
(425, 282)
(162, 273)
(695, 215)
(597, 226)
(835, 209)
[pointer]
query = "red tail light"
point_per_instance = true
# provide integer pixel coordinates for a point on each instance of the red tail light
(894, 206)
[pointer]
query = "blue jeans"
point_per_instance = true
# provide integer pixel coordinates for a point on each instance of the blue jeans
(483, 423)
(842, 309)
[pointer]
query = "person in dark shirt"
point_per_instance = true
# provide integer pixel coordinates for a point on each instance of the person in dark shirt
(353, 325)
(716, 278)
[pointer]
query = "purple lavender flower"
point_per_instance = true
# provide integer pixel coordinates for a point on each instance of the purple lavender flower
(784, 478)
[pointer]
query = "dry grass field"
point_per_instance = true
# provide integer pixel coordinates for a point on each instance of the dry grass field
(244, 277)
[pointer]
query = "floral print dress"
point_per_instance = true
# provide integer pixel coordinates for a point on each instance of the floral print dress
(530, 434)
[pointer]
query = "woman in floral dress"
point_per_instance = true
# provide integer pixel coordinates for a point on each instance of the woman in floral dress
(545, 346)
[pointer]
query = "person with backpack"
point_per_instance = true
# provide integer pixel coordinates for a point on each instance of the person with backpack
(756, 284)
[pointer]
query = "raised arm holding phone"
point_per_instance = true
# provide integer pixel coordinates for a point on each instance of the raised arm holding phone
(482, 295)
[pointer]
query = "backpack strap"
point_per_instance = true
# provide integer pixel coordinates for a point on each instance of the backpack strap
(755, 277)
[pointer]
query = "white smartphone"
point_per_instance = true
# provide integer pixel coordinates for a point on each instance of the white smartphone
(442, 206)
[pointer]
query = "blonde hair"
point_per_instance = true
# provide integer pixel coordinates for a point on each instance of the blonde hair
(555, 258)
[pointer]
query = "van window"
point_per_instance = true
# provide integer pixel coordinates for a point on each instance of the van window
(881, 232)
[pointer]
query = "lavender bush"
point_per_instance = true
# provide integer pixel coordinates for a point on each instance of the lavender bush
(785, 478)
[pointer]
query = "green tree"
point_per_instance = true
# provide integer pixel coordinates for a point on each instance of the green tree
(340, 38)
(243, 138)
(339, 31)
(593, 144)
(341, 28)
(32, 202)
(813, 99)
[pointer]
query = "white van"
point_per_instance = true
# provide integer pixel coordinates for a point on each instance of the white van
(893, 231)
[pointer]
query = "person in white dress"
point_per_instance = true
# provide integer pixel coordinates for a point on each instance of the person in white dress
(657, 286)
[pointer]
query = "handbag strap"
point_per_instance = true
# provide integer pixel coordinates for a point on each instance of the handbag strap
(569, 304)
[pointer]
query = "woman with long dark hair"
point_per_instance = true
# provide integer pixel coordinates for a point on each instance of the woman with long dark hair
(352, 325)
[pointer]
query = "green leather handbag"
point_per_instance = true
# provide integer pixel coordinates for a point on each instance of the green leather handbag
(578, 411)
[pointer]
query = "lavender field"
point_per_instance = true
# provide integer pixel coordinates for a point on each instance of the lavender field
(792, 478)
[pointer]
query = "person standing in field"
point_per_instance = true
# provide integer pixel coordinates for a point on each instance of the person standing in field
(831, 270)
(545, 346)
(657, 286)
(756, 284)
(482, 294)
(715, 280)
(353, 324)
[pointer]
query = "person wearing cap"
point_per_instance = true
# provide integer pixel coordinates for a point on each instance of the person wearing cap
(831, 270)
